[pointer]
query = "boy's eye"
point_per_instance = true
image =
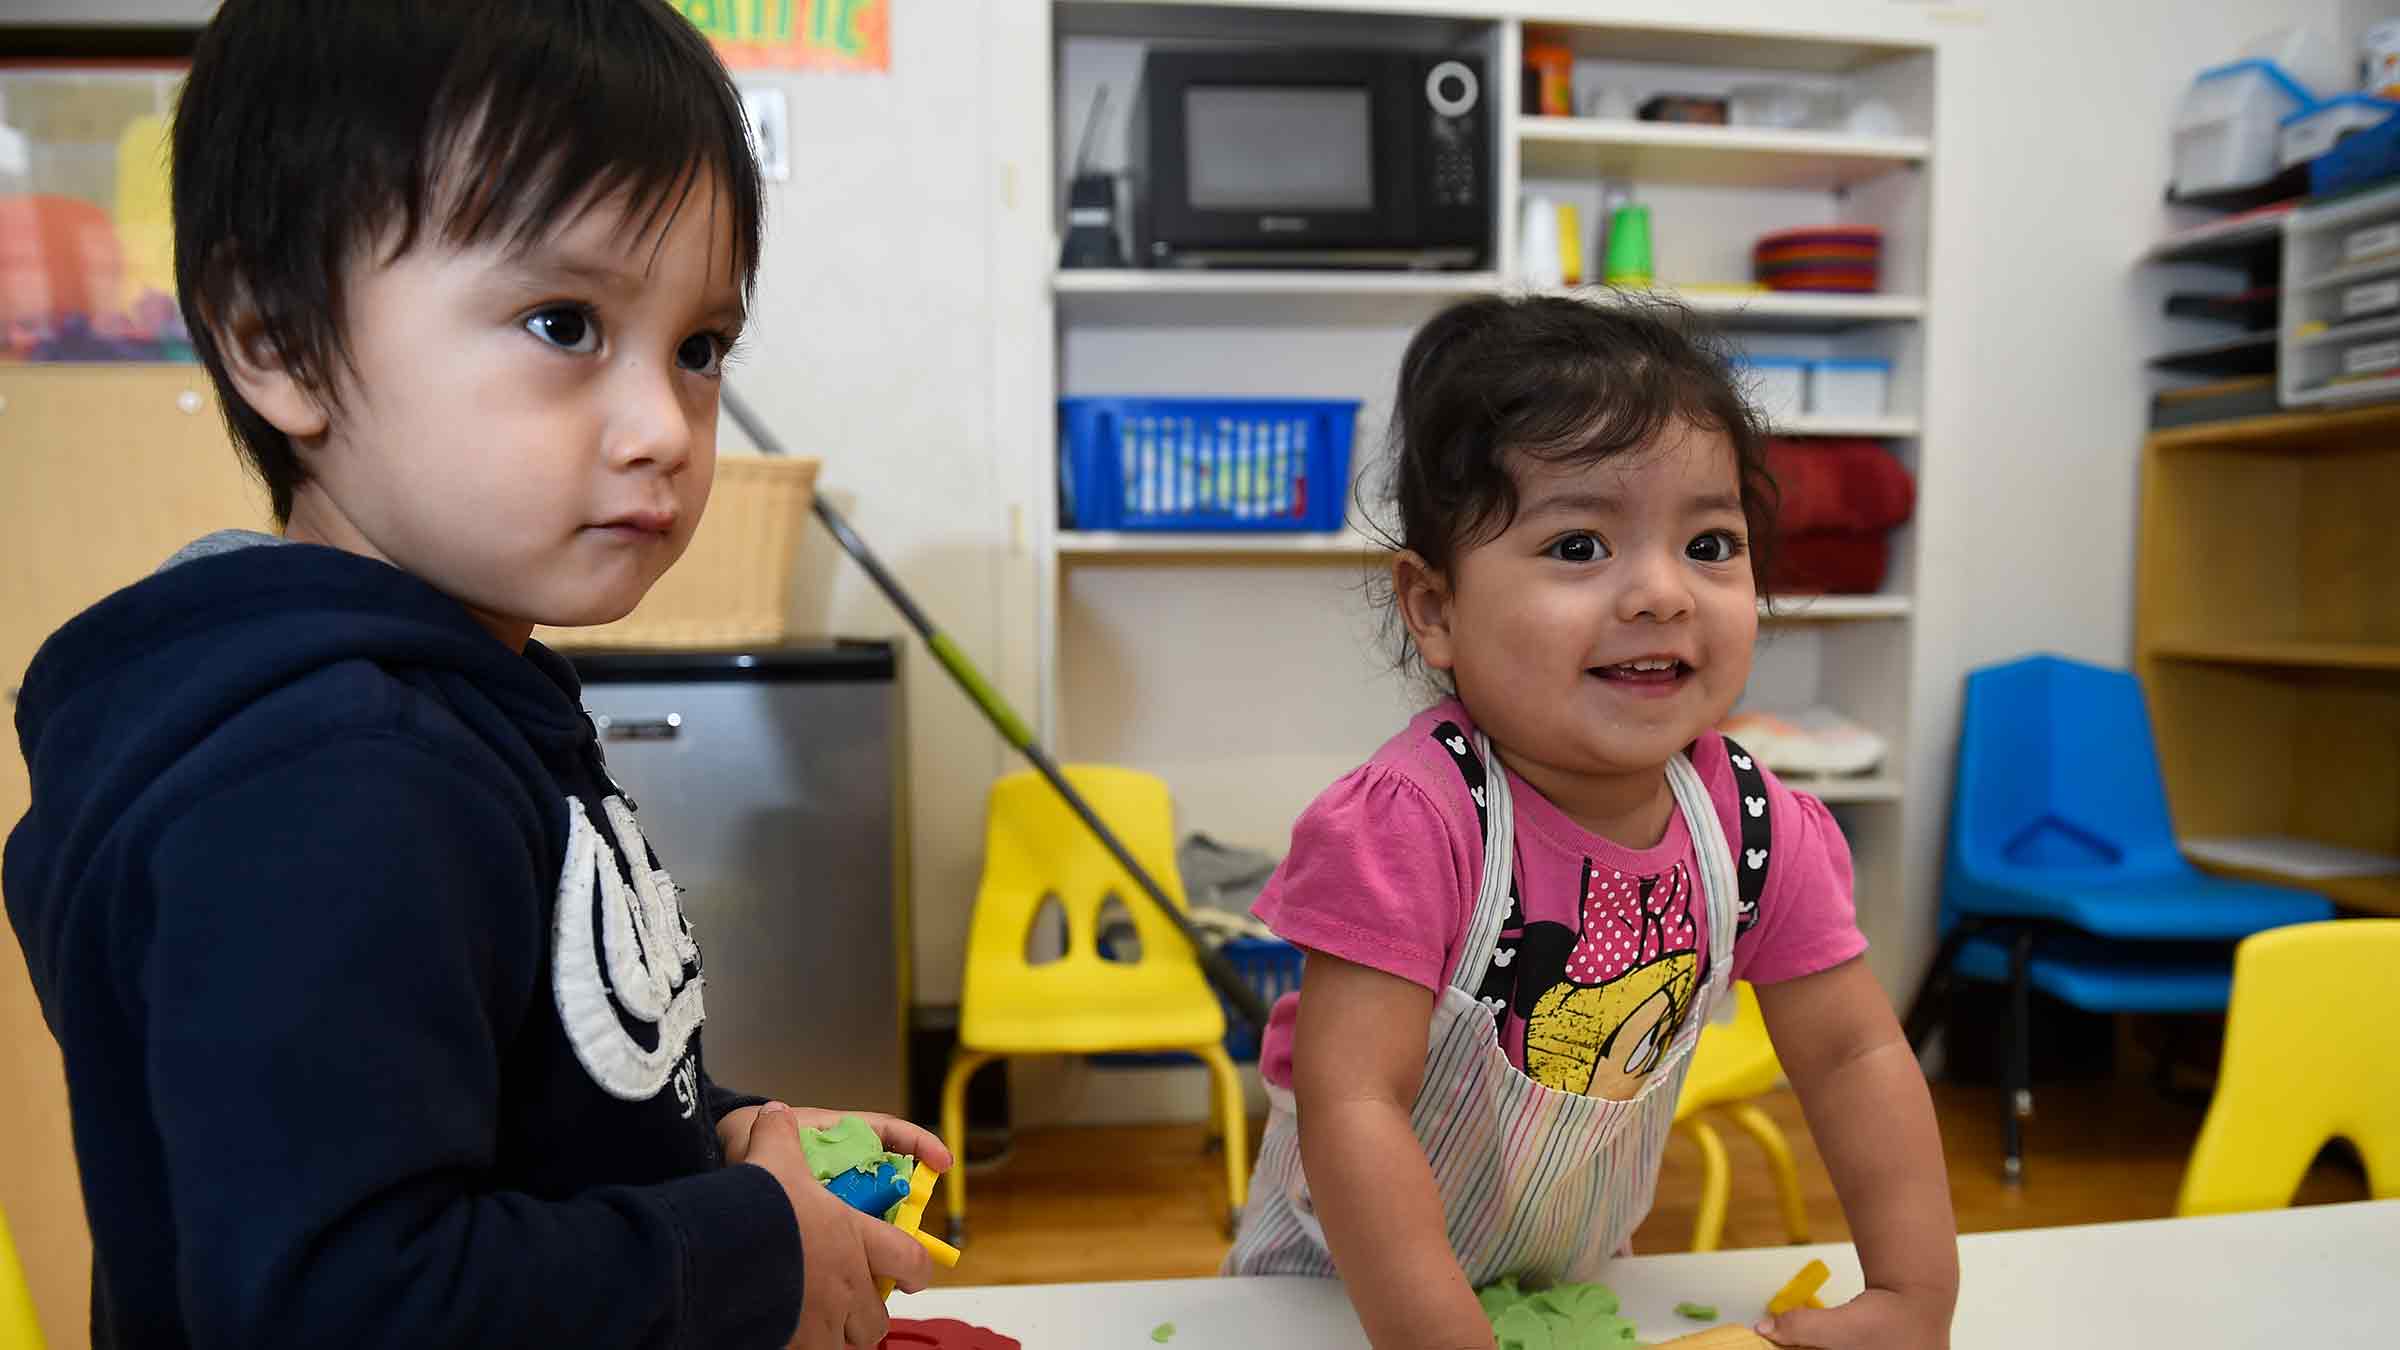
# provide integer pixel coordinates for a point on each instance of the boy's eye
(701, 353)
(1715, 546)
(566, 328)
(1578, 548)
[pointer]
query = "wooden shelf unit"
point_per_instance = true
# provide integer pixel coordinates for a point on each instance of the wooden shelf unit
(2267, 633)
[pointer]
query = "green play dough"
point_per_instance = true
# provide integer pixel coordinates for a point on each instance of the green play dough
(1698, 1312)
(1563, 1317)
(1163, 1332)
(850, 1146)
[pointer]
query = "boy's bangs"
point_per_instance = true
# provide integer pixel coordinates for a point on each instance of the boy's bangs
(528, 135)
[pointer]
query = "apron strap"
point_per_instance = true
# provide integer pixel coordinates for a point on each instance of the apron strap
(1495, 900)
(1716, 864)
(1750, 785)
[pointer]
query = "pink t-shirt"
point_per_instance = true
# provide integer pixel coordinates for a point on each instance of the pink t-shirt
(1606, 954)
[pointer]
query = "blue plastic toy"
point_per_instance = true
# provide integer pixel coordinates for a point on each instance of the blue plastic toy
(873, 1193)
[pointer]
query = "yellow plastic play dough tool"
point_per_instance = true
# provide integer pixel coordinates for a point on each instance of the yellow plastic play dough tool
(1802, 1291)
(912, 1213)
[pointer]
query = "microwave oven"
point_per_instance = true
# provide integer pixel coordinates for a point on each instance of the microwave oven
(1311, 158)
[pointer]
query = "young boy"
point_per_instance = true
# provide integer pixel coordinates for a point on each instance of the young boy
(381, 1020)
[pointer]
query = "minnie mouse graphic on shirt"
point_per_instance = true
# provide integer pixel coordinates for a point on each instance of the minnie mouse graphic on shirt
(1603, 1001)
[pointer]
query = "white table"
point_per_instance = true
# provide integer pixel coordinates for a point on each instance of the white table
(2296, 1279)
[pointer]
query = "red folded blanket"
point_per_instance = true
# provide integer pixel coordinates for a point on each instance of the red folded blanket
(1840, 500)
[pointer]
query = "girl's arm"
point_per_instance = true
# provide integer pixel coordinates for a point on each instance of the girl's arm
(1358, 1054)
(1867, 1106)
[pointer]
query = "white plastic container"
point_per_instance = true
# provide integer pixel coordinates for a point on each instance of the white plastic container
(2313, 131)
(2228, 133)
(1782, 104)
(1778, 385)
(2379, 49)
(1849, 388)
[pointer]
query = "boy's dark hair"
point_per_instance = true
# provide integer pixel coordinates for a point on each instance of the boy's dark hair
(309, 128)
(1565, 380)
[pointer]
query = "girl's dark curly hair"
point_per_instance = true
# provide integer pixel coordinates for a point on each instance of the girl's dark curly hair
(1566, 380)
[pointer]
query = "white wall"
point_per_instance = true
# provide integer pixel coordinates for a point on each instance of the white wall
(2047, 196)
(874, 344)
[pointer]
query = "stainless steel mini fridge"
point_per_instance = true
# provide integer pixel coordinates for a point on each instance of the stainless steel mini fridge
(768, 782)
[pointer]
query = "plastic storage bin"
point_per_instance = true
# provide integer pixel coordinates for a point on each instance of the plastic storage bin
(1777, 384)
(2227, 134)
(2313, 131)
(1849, 388)
(1204, 463)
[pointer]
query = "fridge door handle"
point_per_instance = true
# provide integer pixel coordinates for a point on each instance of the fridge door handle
(665, 728)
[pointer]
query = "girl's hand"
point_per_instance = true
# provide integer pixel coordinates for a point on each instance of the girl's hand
(1879, 1319)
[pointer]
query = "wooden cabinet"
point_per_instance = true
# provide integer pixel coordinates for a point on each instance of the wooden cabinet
(104, 472)
(2268, 633)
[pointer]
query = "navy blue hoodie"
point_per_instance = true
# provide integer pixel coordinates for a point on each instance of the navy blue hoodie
(380, 1021)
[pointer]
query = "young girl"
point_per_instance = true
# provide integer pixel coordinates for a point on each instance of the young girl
(1520, 912)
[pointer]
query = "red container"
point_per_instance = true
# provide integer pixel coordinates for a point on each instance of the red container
(1842, 258)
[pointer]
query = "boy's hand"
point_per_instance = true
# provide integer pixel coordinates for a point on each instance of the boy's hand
(843, 1251)
(898, 1135)
(1879, 1319)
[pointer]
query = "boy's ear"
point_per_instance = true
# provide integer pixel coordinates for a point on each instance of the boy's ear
(1424, 599)
(266, 382)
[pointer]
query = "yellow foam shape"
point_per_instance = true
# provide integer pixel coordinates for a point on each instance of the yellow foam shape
(912, 1213)
(1801, 1291)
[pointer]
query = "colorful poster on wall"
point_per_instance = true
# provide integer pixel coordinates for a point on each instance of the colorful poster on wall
(796, 34)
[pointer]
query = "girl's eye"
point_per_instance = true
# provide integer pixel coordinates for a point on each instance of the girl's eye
(565, 327)
(1578, 548)
(1716, 546)
(701, 353)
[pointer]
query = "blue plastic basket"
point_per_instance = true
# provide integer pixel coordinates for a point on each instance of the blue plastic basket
(1204, 463)
(1269, 965)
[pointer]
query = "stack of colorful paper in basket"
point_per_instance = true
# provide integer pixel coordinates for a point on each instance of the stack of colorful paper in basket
(1845, 258)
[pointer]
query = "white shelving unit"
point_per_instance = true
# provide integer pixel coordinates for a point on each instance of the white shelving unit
(2339, 325)
(1252, 670)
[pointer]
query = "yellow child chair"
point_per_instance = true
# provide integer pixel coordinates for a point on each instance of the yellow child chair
(2312, 1052)
(1733, 1063)
(1082, 1004)
(18, 1328)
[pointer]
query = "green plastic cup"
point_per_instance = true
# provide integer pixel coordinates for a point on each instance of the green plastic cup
(1629, 247)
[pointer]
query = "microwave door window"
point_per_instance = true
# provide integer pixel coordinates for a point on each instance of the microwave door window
(1280, 148)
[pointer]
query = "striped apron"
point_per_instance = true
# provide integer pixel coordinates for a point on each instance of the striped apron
(1537, 1183)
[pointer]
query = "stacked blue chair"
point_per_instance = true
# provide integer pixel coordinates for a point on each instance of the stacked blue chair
(2063, 874)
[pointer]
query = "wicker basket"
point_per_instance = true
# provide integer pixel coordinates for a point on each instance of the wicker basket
(733, 585)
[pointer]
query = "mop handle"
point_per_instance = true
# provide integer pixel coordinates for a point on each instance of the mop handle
(1228, 982)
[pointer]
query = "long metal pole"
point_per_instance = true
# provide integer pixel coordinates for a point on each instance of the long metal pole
(1221, 975)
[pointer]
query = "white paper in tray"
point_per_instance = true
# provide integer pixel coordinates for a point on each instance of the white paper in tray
(2289, 856)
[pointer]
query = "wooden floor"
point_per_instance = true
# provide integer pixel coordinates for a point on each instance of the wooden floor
(1147, 1202)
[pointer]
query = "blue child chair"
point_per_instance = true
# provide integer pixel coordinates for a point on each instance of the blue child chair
(2063, 874)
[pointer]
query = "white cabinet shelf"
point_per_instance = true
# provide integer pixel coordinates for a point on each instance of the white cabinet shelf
(1108, 545)
(1164, 295)
(1666, 152)
(1836, 608)
(1798, 311)
(1255, 281)
(1887, 428)
(1846, 791)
